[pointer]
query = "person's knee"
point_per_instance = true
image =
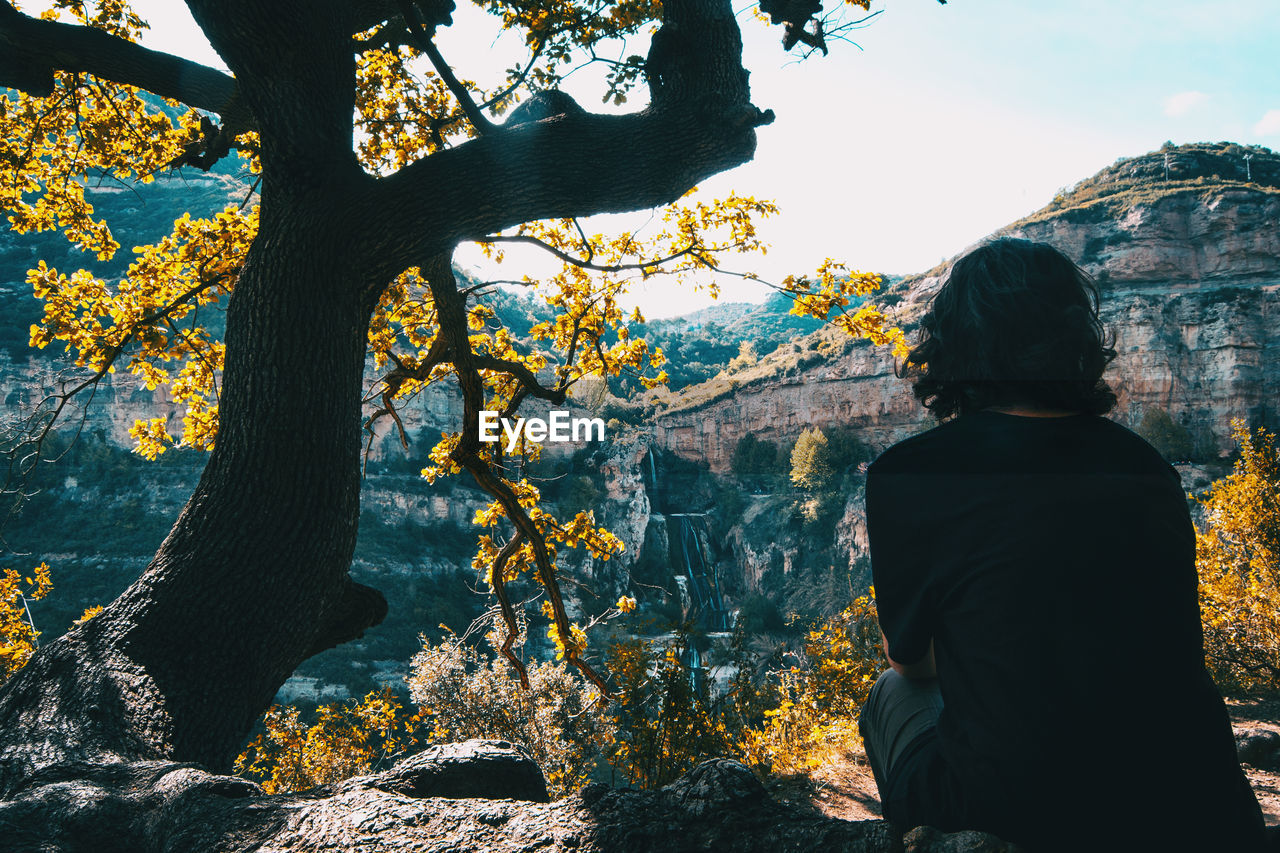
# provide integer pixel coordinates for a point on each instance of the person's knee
(870, 714)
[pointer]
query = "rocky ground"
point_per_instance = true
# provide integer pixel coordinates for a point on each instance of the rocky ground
(846, 790)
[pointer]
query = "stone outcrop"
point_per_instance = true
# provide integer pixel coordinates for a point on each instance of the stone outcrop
(460, 797)
(1190, 278)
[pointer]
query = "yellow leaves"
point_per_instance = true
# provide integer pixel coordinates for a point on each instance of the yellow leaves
(442, 463)
(664, 725)
(344, 741)
(199, 424)
(89, 613)
(835, 289)
(112, 16)
(590, 328)
(50, 146)
(152, 437)
(626, 604)
(18, 634)
(1238, 562)
(150, 316)
(576, 645)
(90, 129)
(815, 716)
(401, 115)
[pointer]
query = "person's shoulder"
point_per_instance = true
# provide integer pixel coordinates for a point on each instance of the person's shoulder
(1133, 450)
(916, 452)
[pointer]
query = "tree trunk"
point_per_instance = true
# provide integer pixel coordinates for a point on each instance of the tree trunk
(262, 547)
(253, 577)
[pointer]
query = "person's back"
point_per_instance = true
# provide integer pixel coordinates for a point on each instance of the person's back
(1048, 562)
(1057, 558)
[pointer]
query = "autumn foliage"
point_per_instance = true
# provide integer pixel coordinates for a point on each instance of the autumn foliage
(815, 718)
(1238, 558)
(463, 692)
(344, 740)
(18, 633)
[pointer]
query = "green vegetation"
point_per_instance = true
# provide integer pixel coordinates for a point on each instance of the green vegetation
(1172, 170)
(759, 463)
(1172, 440)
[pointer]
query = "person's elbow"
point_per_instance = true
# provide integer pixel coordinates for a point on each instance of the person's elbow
(925, 667)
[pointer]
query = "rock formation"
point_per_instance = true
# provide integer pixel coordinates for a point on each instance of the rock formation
(481, 796)
(1189, 268)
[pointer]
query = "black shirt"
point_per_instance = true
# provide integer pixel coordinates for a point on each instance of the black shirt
(1052, 563)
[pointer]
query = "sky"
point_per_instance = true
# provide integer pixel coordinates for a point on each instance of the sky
(945, 123)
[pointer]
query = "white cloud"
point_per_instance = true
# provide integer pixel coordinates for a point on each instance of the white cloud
(1176, 106)
(1269, 125)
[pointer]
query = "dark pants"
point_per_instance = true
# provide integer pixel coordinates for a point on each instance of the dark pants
(898, 712)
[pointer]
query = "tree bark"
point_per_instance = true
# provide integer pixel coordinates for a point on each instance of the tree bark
(253, 576)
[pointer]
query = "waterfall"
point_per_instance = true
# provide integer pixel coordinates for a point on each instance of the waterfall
(682, 583)
(653, 480)
(701, 578)
(695, 574)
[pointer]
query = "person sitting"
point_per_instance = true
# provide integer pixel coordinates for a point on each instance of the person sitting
(1034, 573)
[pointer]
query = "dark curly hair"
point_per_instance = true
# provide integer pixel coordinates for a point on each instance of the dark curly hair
(1015, 323)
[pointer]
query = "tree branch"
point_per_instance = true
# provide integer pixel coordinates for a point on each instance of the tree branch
(32, 50)
(522, 374)
(700, 122)
(587, 263)
(423, 41)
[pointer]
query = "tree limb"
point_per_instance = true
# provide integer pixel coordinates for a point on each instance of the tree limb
(700, 122)
(33, 50)
(587, 263)
(422, 39)
(522, 374)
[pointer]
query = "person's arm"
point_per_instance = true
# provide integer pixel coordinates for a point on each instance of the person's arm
(926, 667)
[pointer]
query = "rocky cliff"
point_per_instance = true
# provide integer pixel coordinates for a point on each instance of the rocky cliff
(1185, 244)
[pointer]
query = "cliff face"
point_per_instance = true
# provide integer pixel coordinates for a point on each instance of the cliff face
(1190, 279)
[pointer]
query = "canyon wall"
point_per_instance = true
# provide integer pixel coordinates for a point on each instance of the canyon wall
(1190, 285)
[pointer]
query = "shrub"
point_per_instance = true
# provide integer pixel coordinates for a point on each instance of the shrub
(1238, 560)
(816, 715)
(344, 740)
(664, 724)
(758, 615)
(463, 692)
(754, 459)
(1171, 440)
